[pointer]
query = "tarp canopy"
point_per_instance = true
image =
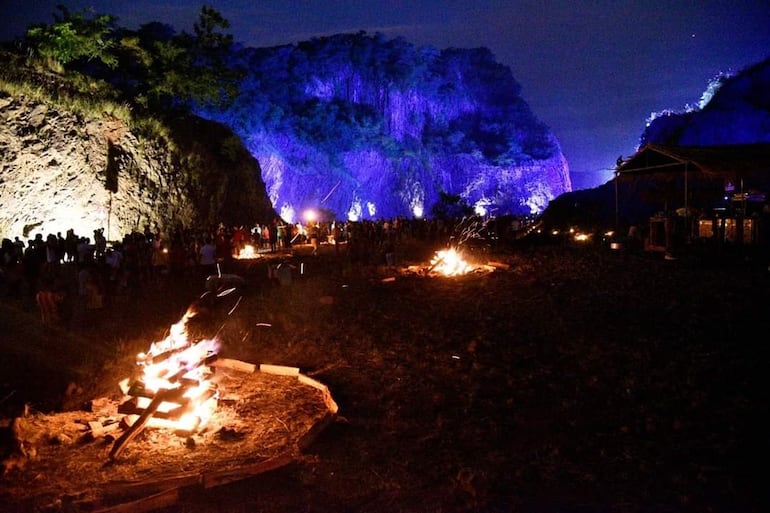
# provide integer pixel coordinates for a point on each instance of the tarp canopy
(732, 163)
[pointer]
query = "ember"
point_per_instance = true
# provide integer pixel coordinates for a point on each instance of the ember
(173, 389)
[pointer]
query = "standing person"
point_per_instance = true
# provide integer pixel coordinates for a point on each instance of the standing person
(266, 236)
(71, 246)
(49, 301)
(274, 236)
(336, 235)
(313, 229)
(177, 260)
(19, 246)
(100, 244)
(207, 258)
(113, 260)
(159, 260)
(289, 234)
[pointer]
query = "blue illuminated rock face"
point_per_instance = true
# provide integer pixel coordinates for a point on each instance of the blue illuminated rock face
(368, 128)
(734, 110)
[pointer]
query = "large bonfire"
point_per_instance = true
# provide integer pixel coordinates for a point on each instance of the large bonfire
(174, 388)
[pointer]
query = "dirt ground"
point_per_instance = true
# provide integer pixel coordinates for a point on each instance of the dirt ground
(570, 379)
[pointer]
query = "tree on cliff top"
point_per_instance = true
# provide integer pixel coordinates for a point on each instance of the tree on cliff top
(153, 67)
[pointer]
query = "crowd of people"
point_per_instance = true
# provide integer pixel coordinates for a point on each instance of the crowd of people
(60, 274)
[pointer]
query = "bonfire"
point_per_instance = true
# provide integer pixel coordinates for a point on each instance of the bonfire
(247, 252)
(236, 420)
(449, 262)
(173, 388)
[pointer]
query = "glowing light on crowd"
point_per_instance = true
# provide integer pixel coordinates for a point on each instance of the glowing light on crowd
(582, 237)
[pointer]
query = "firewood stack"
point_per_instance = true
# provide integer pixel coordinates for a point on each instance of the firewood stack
(173, 390)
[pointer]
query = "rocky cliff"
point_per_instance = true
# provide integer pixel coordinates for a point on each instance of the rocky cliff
(367, 127)
(65, 167)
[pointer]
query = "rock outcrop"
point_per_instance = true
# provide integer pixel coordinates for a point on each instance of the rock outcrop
(63, 168)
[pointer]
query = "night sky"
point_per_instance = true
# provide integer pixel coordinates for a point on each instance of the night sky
(593, 71)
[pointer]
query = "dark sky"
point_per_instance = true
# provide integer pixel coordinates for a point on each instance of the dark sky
(593, 71)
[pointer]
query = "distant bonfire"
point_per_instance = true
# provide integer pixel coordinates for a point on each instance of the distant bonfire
(247, 252)
(450, 262)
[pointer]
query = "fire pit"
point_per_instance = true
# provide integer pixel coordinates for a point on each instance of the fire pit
(188, 418)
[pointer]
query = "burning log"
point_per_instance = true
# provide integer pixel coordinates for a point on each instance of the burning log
(139, 425)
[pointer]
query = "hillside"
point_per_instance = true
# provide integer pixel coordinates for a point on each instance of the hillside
(735, 110)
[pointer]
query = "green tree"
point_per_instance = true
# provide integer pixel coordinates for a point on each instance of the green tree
(73, 37)
(186, 68)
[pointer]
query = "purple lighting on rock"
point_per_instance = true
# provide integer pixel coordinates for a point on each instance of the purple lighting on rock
(365, 128)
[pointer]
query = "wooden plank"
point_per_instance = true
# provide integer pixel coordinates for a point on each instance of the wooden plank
(153, 485)
(97, 430)
(279, 370)
(138, 426)
(212, 479)
(159, 500)
(237, 365)
(305, 380)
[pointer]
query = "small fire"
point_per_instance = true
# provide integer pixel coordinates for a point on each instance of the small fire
(247, 252)
(450, 263)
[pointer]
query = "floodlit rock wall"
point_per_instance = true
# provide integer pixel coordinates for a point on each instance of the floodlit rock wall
(59, 170)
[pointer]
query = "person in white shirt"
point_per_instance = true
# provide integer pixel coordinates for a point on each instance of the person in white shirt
(207, 258)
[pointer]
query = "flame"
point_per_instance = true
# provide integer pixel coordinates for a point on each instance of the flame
(176, 363)
(449, 262)
(582, 237)
(248, 251)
